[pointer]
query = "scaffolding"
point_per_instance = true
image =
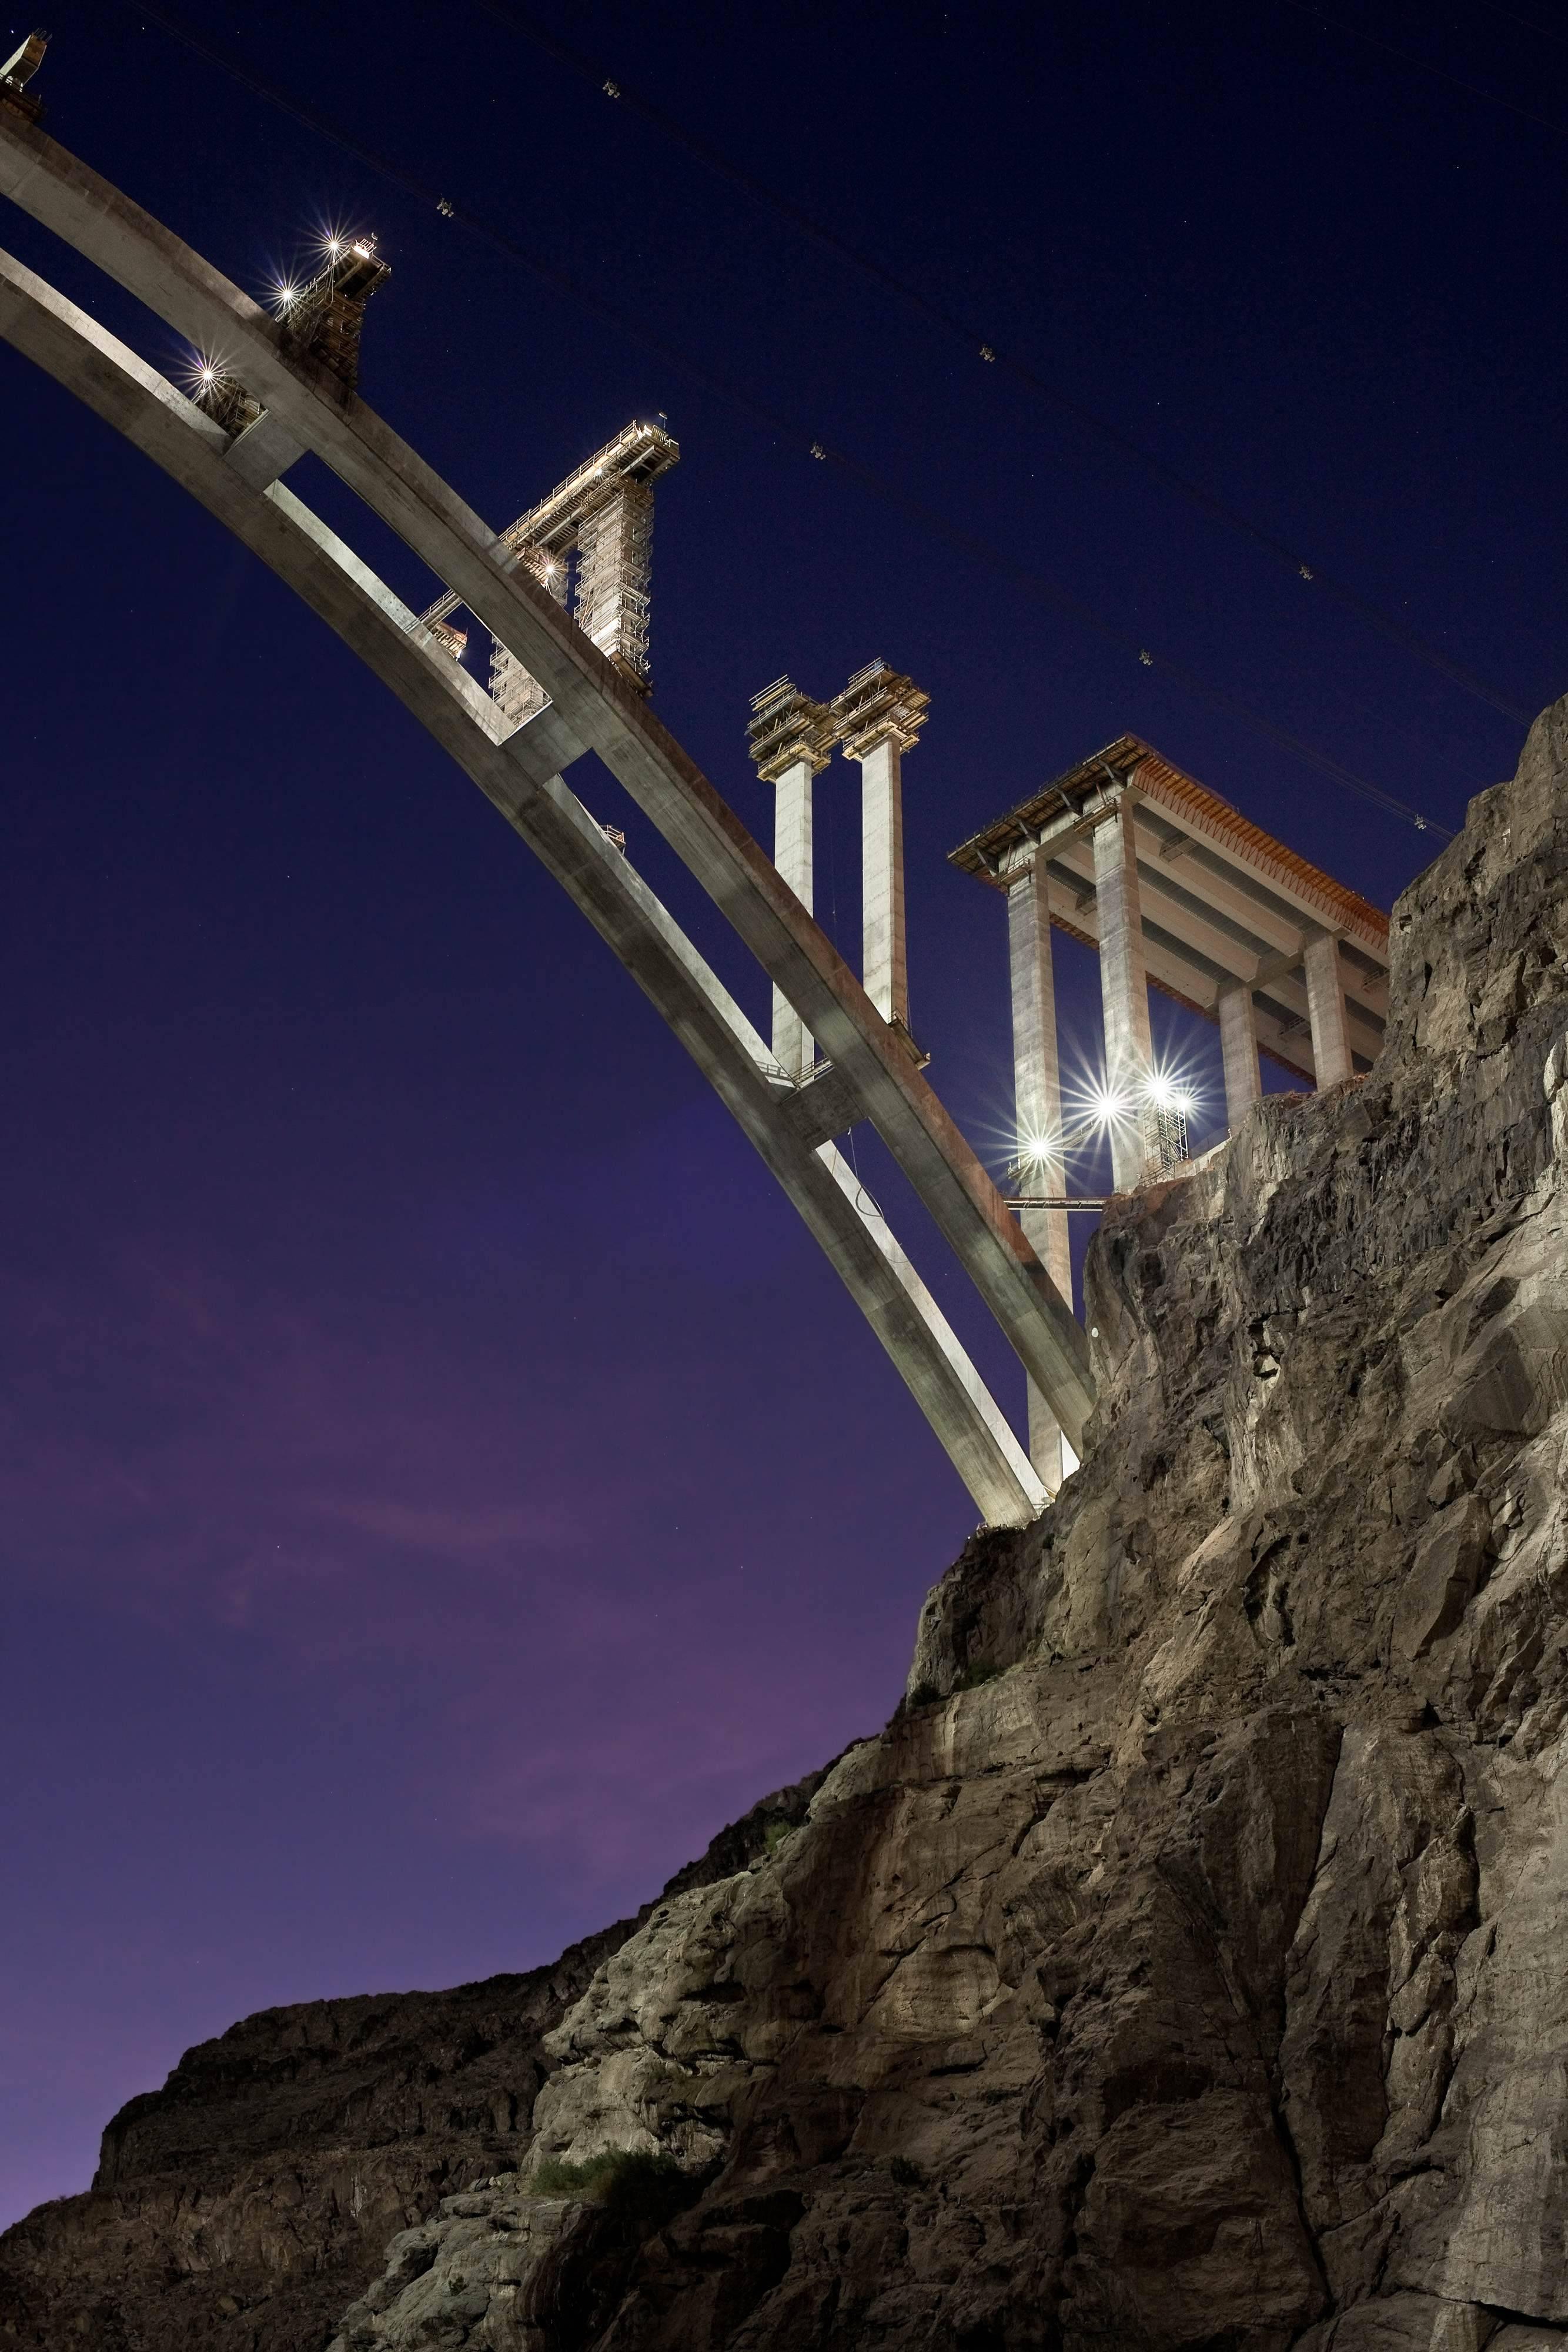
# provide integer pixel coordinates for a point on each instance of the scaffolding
(323, 322)
(786, 726)
(17, 71)
(517, 692)
(615, 547)
(879, 706)
(450, 641)
(225, 399)
(599, 523)
(1165, 1135)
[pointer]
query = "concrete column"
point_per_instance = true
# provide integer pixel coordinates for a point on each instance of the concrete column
(790, 739)
(792, 1043)
(1325, 1011)
(1124, 990)
(1037, 1111)
(885, 970)
(1238, 1050)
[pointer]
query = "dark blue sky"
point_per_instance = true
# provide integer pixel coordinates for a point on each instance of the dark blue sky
(440, 1483)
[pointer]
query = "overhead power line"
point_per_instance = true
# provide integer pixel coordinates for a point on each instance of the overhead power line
(979, 344)
(790, 432)
(1437, 72)
(1529, 23)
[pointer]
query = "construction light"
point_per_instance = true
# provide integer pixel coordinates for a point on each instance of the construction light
(1167, 1092)
(1035, 1150)
(1107, 1105)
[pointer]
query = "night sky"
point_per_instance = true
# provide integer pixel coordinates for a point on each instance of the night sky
(440, 1484)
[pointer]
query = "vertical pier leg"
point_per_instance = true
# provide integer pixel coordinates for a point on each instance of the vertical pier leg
(1325, 1011)
(1037, 1108)
(885, 965)
(1124, 991)
(1238, 1050)
(876, 718)
(792, 1043)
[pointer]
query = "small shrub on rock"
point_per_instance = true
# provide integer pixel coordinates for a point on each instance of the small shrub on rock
(639, 2191)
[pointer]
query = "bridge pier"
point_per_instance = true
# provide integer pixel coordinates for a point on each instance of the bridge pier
(1037, 1111)
(601, 706)
(1325, 1010)
(878, 718)
(1238, 1050)
(791, 739)
(1124, 991)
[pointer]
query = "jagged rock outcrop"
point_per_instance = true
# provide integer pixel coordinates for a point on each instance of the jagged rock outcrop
(245, 2204)
(1183, 1966)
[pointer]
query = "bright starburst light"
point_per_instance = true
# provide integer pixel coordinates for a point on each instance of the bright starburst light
(201, 372)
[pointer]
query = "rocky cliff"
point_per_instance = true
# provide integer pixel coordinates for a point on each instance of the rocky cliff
(1187, 1963)
(243, 2205)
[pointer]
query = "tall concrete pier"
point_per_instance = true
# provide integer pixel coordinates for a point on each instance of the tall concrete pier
(1239, 1049)
(1037, 1100)
(878, 718)
(791, 740)
(1124, 986)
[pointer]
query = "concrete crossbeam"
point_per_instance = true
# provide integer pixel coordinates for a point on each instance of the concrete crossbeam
(608, 715)
(1037, 1112)
(517, 770)
(263, 452)
(1326, 1011)
(824, 1107)
(1124, 990)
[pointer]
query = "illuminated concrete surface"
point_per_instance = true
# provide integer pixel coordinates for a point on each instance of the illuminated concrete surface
(518, 769)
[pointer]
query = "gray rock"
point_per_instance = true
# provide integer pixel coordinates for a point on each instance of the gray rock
(1183, 1966)
(470, 2278)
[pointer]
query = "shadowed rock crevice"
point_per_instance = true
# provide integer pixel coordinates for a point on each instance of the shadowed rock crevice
(1181, 1966)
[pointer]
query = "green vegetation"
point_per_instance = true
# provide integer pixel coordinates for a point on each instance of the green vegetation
(640, 2190)
(907, 2173)
(776, 1833)
(973, 1675)
(971, 1678)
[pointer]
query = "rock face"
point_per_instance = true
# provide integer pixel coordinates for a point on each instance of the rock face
(243, 2205)
(1187, 1963)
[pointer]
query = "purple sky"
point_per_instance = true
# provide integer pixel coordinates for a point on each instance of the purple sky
(439, 1482)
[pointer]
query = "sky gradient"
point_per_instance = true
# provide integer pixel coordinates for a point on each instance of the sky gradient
(440, 1484)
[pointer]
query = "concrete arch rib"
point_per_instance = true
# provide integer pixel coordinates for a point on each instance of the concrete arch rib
(519, 774)
(605, 715)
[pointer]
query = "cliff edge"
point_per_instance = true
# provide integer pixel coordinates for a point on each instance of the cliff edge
(1181, 1966)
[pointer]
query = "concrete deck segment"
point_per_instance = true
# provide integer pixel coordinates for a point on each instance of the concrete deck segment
(605, 713)
(517, 770)
(1222, 903)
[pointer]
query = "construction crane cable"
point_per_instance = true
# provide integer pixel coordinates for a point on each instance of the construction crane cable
(978, 343)
(1425, 65)
(795, 436)
(1528, 22)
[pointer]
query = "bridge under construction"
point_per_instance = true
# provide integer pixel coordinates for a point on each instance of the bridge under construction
(1175, 888)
